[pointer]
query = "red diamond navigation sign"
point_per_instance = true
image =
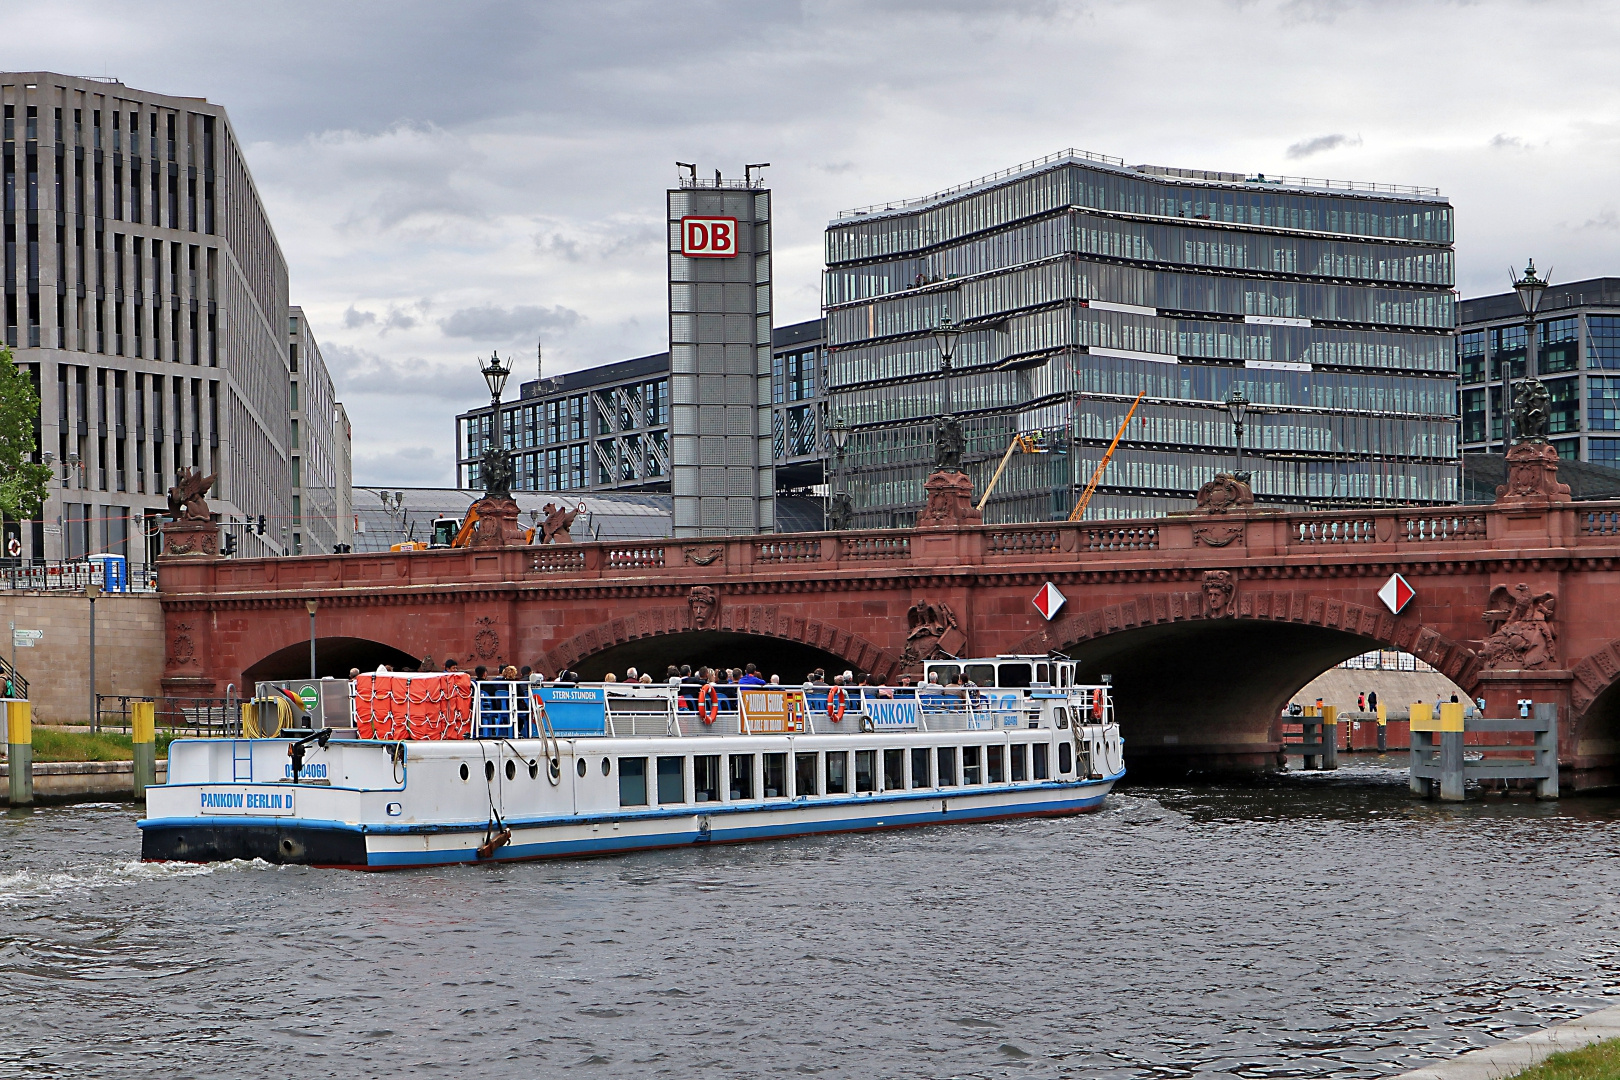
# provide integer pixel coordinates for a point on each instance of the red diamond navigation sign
(1048, 600)
(1396, 593)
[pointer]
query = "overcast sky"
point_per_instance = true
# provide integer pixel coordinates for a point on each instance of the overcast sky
(451, 178)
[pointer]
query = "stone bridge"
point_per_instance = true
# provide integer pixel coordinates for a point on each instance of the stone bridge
(1208, 622)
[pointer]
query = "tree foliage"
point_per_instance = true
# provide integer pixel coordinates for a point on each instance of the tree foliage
(22, 483)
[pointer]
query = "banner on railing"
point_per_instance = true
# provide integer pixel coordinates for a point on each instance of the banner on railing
(891, 714)
(574, 710)
(772, 709)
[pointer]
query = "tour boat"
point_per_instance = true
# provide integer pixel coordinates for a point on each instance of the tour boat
(438, 769)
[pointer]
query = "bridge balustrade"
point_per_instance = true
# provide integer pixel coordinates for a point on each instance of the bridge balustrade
(640, 557)
(1041, 540)
(1600, 523)
(1121, 538)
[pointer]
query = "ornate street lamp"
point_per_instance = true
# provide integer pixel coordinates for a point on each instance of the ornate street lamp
(1530, 289)
(1237, 406)
(496, 466)
(838, 516)
(947, 335)
(949, 442)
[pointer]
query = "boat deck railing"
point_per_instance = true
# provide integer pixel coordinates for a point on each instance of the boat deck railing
(525, 710)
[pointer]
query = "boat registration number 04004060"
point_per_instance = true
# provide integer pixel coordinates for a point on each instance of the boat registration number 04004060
(273, 803)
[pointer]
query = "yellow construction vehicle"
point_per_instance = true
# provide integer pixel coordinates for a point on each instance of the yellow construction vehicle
(1033, 443)
(453, 532)
(1091, 485)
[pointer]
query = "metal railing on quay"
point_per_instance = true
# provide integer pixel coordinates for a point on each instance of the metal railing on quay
(73, 575)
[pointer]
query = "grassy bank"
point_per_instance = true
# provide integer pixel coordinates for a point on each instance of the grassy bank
(1600, 1061)
(52, 745)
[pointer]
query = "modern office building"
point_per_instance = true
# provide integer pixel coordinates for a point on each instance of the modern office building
(1577, 358)
(147, 297)
(607, 428)
(322, 515)
(1081, 283)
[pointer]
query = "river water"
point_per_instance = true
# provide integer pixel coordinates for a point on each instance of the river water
(1318, 925)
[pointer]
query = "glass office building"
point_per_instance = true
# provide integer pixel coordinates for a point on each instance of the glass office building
(1082, 283)
(1577, 357)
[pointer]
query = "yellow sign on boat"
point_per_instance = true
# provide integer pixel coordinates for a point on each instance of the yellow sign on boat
(767, 709)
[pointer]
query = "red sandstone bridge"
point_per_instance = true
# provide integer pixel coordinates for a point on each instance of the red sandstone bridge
(1208, 622)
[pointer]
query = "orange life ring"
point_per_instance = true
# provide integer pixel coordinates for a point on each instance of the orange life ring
(1097, 705)
(708, 713)
(837, 702)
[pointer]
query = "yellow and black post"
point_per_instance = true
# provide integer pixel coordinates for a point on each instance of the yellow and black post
(143, 731)
(20, 751)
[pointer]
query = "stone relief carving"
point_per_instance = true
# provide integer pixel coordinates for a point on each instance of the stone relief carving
(1532, 473)
(932, 632)
(1219, 585)
(486, 642)
(182, 650)
(703, 554)
(705, 605)
(950, 502)
(1225, 492)
(1217, 535)
(1522, 632)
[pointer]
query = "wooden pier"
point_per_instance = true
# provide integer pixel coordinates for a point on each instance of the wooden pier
(1440, 766)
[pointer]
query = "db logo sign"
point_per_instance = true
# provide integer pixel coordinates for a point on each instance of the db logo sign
(709, 237)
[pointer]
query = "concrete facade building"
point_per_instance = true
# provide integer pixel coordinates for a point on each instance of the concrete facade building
(319, 439)
(1080, 282)
(1577, 358)
(146, 296)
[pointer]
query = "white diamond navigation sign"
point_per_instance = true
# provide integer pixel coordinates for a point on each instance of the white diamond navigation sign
(1048, 600)
(1396, 593)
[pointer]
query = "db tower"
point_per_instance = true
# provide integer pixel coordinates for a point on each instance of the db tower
(721, 472)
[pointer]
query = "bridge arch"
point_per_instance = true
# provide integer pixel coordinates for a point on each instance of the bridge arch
(624, 641)
(334, 656)
(1197, 686)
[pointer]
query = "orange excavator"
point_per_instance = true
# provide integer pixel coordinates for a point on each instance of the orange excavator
(452, 532)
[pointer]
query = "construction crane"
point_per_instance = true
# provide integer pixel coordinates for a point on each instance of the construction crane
(1091, 485)
(1030, 444)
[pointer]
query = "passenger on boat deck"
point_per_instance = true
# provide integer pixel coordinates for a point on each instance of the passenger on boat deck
(509, 673)
(632, 675)
(479, 672)
(776, 680)
(646, 679)
(906, 681)
(525, 673)
(751, 677)
(354, 673)
(610, 677)
(426, 664)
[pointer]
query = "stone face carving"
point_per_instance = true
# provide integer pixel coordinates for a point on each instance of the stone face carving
(930, 625)
(705, 605)
(950, 502)
(1219, 585)
(1532, 474)
(1522, 633)
(1225, 492)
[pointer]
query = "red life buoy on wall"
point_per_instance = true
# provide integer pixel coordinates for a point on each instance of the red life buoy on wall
(708, 703)
(1097, 706)
(837, 702)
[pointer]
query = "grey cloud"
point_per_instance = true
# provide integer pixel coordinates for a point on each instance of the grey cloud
(1321, 145)
(398, 320)
(361, 373)
(404, 466)
(353, 320)
(493, 323)
(1504, 141)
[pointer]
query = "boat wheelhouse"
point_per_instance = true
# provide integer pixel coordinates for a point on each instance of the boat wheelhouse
(437, 769)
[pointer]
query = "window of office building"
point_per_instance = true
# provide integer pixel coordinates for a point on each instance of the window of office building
(1471, 356)
(1565, 412)
(1604, 452)
(1507, 352)
(1603, 342)
(1473, 415)
(1558, 346)
(1602, 406)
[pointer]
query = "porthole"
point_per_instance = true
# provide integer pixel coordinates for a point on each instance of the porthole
(511, 769)
(534, 769)
(554, 767)
(607, 766)
(489, 770)
(580, 767)
(464, 772)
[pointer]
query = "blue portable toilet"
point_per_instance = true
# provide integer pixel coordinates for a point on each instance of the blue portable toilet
(114, 572)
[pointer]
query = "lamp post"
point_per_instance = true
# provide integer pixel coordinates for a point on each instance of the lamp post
(1237, 406)
(838, 430)
(91, 591)
(310, 606)
(497, 478)
(1530, 289)
(947, 335)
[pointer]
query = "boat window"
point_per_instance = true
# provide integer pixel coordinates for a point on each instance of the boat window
(1063, 674)
(970, 766)
(920, 756)
(894, 770)
(946, 672)
(671, 780)
(947, 766)
(632, 781)
(706, 778)
(804, 774)
(981, 674)
(742, 776)
(775, 776)
(1060, 716)
(865, 770)
(1019, 753)
(994, 760)
(838, 772)
(1065, 758)
(1042, 770)
(1043, 674)
(1015, 676)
